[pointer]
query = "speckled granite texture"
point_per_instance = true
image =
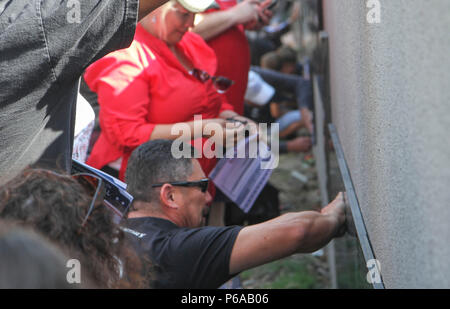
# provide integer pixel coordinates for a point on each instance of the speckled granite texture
(390, 85)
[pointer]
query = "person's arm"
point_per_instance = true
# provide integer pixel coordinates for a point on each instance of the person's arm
(293, 83)
(228, 114)
(210, 25)
(178, 130)
(301, 232)
(307, 119)
(147, 6)
(275, 110)
(123, 94)
(129, 128)
(264, 16)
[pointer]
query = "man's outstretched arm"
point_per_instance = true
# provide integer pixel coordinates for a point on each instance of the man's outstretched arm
(146, 6)
(301, 232)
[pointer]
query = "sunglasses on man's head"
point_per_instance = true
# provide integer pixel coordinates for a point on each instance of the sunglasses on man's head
(221, 83)
(202, 184)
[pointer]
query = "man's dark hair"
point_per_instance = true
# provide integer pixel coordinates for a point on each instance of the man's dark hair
(271, 60)
(153, 162)
(287, 54)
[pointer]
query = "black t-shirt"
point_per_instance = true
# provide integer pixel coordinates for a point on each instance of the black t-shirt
(45, 46)
(184, 258)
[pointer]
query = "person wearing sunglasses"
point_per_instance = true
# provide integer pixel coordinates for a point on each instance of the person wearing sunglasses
(169, 209)
(165, 79)
(68, 210)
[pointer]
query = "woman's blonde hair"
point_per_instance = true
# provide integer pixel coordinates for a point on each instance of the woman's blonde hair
(158, 18)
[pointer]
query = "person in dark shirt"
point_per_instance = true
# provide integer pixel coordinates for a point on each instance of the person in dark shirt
(167, 221)
(45, 47)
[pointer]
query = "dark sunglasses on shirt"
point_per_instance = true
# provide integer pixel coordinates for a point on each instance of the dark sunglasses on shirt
(221, 83)
(202, 184)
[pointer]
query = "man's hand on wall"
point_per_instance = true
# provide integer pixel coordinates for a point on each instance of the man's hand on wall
(337, 209)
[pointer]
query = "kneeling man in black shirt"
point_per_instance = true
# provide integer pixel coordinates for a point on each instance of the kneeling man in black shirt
(168, 216)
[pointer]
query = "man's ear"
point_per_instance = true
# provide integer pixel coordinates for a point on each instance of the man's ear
(167, 196)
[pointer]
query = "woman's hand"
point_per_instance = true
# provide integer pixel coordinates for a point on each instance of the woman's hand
(246, 11)
(212, 127)
(229, 131)
(264, 16)
(248, 124)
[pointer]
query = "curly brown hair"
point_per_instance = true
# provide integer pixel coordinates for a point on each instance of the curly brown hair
(55, 205)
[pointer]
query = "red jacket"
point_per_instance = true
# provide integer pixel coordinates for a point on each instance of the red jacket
(145, 85)
(233, 56)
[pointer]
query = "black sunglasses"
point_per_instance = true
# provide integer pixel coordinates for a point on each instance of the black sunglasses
(221, 83)
(116, 198)
(202, 184)
(95, 187)
(92, 184)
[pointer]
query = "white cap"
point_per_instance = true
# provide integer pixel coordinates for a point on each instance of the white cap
(196, 6)
(258, 91)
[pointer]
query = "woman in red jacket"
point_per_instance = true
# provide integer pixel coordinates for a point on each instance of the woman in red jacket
(164, 78)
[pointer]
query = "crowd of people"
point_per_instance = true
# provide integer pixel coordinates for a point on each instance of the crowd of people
(182, 61)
